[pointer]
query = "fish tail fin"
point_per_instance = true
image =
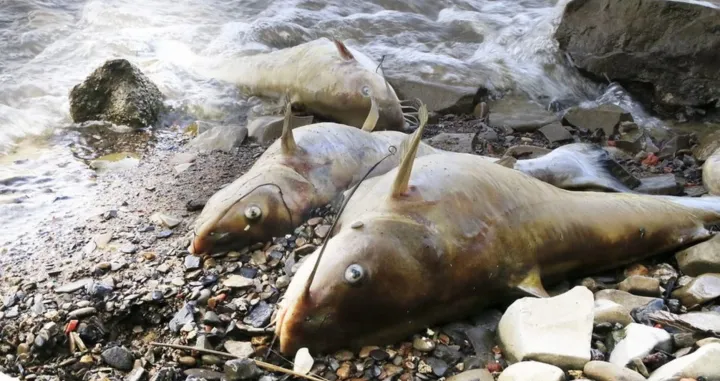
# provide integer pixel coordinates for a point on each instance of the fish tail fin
(709, 206)
(617, 176)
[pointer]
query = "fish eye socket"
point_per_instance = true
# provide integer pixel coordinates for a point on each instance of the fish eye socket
(366, 91)
(354, 273)
(253, 212)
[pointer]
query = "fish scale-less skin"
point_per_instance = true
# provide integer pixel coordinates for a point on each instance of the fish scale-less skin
(330, 158)
(321, 80)
(464, 236)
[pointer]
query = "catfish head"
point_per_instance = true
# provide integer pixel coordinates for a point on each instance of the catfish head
(370, 285)
(234, 218)
(358, 81)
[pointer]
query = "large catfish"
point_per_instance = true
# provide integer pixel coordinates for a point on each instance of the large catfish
(446, 235)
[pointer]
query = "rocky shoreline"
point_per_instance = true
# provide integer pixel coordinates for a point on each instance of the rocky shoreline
(124, 279)
(90, 299)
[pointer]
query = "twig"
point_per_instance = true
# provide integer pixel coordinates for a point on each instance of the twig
(261, 364)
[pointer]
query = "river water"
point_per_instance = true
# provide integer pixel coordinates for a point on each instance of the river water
(48, 46)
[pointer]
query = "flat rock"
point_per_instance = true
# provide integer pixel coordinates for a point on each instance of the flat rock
(605, 371)
(74, 286)
(701, 363)
(555, 132)
(607, 311)
(183, 158)
(555, 330)
(625, 299)
(639, 341)
(705, 322)
(118, 358)
(224, 137)
(521, 115)
(619, 41)
(532, 371)
(605, 117)
(665, 184)
(454, 142)
(701, 258)
(203, 374)
(640, 285)
(702, 289)
(241, 349)
(267, 129)
(440, 98)
(237, 281)
(117, 92)
(473, 375)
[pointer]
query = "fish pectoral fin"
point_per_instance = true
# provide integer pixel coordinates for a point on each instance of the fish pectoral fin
(532, 284)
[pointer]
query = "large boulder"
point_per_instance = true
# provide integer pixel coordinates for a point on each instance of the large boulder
(665, 53)
(117, 92)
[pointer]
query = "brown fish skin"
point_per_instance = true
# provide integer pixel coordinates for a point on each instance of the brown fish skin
(325, 77)
(711, 173)
(464, 235)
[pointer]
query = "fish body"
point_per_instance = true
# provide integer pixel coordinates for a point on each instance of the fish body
(711, 173)
(286, 186)
(325, 77)
(460, 235)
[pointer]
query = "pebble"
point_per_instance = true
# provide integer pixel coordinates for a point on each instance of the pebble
(182, 317)
(241, 349)
(640, 285)
(701, 258)
(128, 249)
(82, 312)
(12, 312)
(607, 311)
(701, 363)
(322, 230)
(605, 371)
(473, 375)
(639, 341)
(187, 360)
(192, 262)
(74, 286)
(211, 360)
(555, 330)
(237, 281)
(260, 315)
(439, 367)
(423, 344)
(211, 318)
(625, 299)
(198, 374)
(702, 289)
(379, 355)
(241, 369)
(532, 371)
(119, 358)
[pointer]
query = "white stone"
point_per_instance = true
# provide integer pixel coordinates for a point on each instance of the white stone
(607, 311)
(639, 341)
(532, 371)
(703, 362)
(555, 330)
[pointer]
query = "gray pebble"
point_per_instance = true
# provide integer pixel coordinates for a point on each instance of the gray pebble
(82, 312)
(119, 358)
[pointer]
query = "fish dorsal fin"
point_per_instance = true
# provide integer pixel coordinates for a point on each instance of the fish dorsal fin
(532, 284)
(343, 50)
(507, 161)
(372, 117)
(287, 140)
(410, 147)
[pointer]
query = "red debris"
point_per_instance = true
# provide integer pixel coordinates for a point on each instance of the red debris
(651, 159)
(611, 143)
(494, 367)
(71, 326)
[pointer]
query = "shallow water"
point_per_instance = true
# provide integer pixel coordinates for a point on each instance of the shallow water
(51, 45)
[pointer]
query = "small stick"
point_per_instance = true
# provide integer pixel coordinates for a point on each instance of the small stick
(259, 363)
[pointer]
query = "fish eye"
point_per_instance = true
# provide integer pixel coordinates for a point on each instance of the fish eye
(253, 212)
(354, 273)
(366, 91)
